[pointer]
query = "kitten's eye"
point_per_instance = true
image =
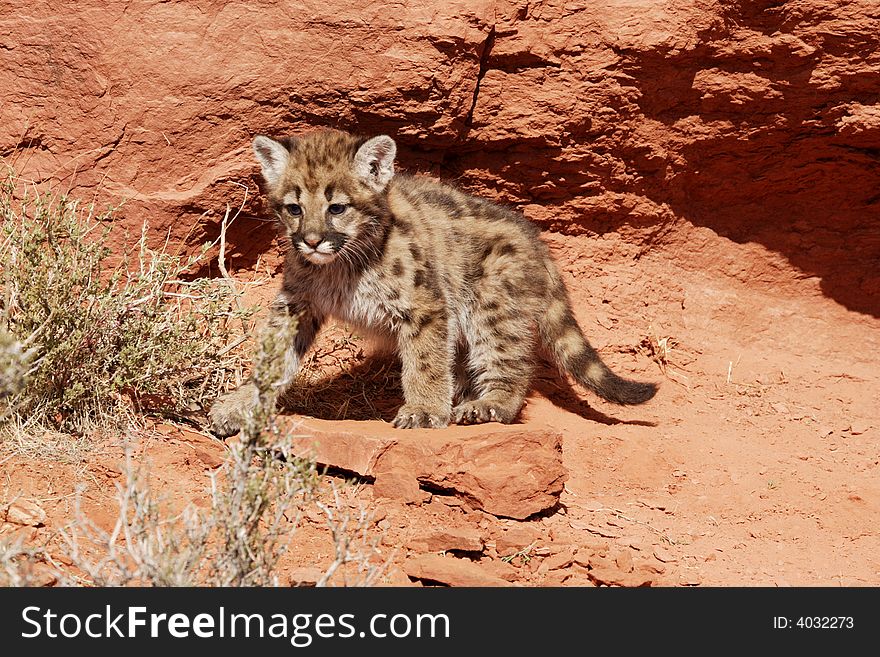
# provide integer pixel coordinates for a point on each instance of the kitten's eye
(293, 209)
(337, 208)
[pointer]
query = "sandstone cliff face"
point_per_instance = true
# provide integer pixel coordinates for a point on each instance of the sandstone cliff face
(734, 136)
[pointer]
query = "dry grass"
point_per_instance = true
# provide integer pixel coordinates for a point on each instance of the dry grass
(659, 348)
(663, 351)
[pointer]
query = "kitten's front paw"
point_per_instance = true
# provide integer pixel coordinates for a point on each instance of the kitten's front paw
(228, 412)
(480, 411)
(411, 416)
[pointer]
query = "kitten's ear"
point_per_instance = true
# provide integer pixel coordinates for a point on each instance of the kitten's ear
(272, 156)
(374, 162)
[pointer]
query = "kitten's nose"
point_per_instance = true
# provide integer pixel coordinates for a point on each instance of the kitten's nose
(312, 240)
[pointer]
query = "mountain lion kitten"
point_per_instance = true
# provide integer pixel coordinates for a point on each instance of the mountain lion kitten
(463, 287)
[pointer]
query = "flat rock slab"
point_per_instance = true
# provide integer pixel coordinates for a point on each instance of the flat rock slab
(445, 539)
(512, 471)
(450, 571)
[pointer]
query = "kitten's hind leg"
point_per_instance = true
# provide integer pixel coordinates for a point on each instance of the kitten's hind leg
(500, 362)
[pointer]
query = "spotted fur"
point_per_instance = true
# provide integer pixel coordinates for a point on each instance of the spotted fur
(464, 287)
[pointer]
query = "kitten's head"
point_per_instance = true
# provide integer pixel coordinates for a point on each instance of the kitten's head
(328, 189)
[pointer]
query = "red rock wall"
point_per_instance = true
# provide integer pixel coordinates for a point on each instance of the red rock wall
(638, 120)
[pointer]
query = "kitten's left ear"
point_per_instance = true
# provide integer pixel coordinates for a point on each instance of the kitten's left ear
(374, 162)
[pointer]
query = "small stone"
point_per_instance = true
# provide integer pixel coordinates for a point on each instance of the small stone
(654, 567)
(24, 512)
(315, 516)
(557, 561)
(660, 505)
(554, 578)
(611, 576)
(582, 559)
(594, 529)
(580, 580)
(43, 576)
(661, 554)
(448, 500)
(624, 561)
(501, 569)
(690, 579)
(395, 577)
(604, 321)
(780, 408)
(305, 577)
(516, 538)
(857, 429)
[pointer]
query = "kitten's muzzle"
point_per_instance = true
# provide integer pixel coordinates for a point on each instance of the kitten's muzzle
(313, 240)
(318, 249)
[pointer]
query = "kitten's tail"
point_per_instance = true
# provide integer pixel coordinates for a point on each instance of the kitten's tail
(564, 339)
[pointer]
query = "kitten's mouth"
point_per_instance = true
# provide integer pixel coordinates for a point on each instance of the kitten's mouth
(323, 253)
(318, 257)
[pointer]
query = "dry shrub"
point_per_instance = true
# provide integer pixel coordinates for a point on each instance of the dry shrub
(83, 344)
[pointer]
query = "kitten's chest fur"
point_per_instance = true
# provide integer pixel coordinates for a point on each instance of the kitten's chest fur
(367, 300)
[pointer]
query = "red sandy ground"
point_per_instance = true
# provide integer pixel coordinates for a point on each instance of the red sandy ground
(756, 464)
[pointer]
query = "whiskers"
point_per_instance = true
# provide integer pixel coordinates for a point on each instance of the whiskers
(358, 253)
(285, 242)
